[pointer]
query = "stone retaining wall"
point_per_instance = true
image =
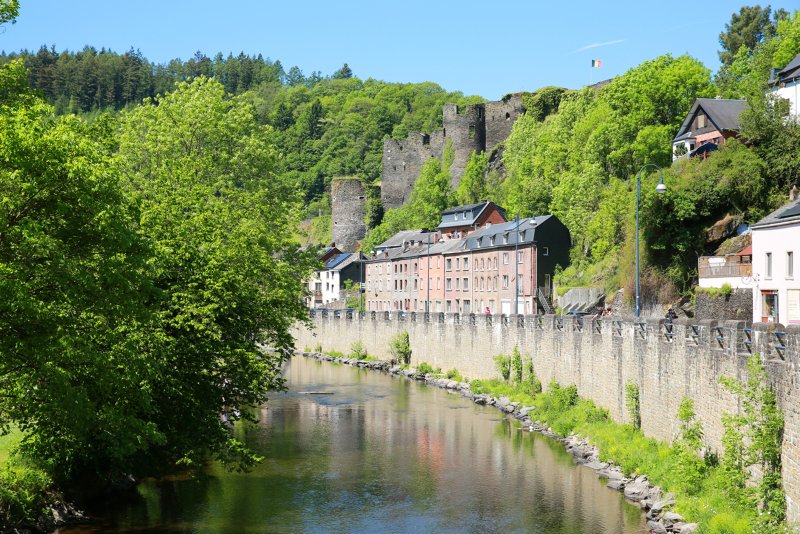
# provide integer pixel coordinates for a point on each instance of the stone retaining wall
(667, 362)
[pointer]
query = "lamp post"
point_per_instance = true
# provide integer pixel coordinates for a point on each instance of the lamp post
(660, 188)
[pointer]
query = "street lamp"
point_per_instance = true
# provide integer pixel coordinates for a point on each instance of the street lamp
(660, 188)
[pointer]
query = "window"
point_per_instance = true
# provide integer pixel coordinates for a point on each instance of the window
(415, 283)
(475, 284)
(472, 131)
(495, 264)
(465, 263)
(491, 240)
(505, 281)
(768, 265)
(701, 121)
(790, 264)
(769, 306)
(438, 261)
(475, 265)
(430, 282)
(505, 239)
(458, 284)
(505, 258)
(520, 256)
(448, 284)
(481, 283)
(465, 284)
(482, 265)
(448, 264)
(449, 306)
(545, 251)
(438, 283)
(458, 264)
(466, 306)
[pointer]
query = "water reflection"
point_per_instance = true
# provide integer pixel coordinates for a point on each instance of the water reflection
(380, 454)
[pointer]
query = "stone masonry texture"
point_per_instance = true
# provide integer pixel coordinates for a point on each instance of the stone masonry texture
(347, 205)
(600, 358)
(475, 128)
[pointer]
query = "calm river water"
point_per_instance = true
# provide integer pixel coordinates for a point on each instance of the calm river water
(379, 454)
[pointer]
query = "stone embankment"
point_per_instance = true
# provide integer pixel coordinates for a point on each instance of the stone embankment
(636, 488)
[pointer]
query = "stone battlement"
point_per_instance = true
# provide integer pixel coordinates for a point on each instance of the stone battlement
(668, 361)
(474, 128)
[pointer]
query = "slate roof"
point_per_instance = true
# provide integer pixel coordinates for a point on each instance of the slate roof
(788, 213)
(523, 228)
(475, 211)
(790, 72)
(404, 235)
(723, 114)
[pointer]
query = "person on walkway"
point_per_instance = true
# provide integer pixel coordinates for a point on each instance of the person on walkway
(487, 312)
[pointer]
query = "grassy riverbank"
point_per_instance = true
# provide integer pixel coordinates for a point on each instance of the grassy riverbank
(25, 490)
(700, 488)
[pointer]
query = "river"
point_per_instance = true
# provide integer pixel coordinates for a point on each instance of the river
(378, 453)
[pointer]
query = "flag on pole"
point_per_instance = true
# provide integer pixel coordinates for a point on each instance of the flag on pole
(596, 63)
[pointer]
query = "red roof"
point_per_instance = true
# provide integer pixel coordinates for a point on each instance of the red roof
(747, 251)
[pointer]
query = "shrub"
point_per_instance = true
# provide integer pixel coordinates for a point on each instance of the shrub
(453, 374)
(318, 347)
(633, 404)
(400, 348)
(24, 494)
(503, 364)
(358, 351)
(425, 368)
(516, 365)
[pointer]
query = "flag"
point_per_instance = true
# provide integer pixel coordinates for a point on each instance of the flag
(596, 63)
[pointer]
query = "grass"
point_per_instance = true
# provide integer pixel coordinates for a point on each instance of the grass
(8, 443)
(25, 490)
(705, 503)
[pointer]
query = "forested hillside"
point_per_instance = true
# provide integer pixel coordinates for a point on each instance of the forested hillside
(580, 160)
(574, 154)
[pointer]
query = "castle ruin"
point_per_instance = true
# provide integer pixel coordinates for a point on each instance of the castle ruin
(477, 128)
(347, 206)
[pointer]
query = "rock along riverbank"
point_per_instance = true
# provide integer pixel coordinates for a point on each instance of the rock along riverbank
(636, 488)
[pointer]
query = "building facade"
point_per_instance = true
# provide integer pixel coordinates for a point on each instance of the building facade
(776, 244)
(785, 84)
(503, 268)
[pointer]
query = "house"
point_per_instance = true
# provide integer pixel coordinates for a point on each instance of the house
(707, 125)
(325, 287)
(461, 220)
(736, 270)
(776, 243)
(520, 257)
(784, 83)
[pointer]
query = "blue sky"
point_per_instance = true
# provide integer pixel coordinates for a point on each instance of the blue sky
(477, 48)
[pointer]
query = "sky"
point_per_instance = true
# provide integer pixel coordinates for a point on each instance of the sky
(487, 49)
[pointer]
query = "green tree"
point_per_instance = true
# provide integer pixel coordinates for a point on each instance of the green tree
(472, 187)
(227, 272)
(9, 11)
(75, 284)
(748, 28)
(343, 73)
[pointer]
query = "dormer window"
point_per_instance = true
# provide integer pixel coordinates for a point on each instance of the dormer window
(491, 240)
(505, 239)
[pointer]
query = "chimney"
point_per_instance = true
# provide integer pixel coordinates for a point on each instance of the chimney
(794, 194)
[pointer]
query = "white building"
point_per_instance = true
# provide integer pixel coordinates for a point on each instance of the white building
(776, 244)
(785, 84)
(325, 287)
(735, 270)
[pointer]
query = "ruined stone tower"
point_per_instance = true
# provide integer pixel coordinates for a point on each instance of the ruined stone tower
(478, 128)
(347, 205)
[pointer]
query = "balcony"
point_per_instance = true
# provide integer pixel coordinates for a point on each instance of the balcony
(734, 266)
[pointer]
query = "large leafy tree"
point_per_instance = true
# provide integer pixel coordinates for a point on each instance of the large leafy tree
(75, 292)
(228, 274)
(748, 28)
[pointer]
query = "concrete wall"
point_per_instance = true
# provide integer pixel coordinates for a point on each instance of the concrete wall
(347, 206)
(600, 360)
